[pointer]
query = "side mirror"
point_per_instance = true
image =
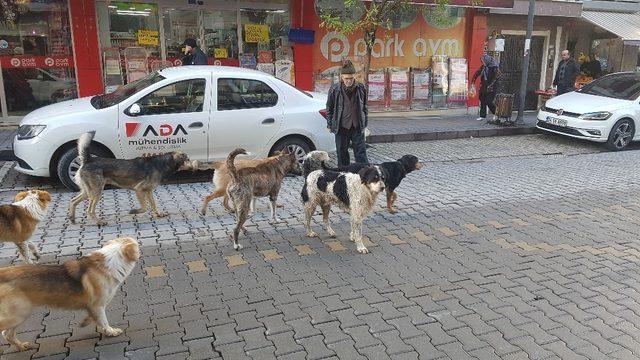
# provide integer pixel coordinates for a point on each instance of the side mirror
(134, 110)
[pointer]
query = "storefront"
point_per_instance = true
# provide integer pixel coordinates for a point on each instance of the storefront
(53, 50)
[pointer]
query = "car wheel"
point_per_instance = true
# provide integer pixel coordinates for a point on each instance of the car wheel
(297, 146)
(621, 134)
(69, 163)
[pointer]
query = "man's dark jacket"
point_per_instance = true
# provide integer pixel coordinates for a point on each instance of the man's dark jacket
(335, 106)
(570, 73)
(198, 57)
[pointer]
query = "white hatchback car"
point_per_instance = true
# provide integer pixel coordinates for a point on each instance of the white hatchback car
(204, 111)
(606, 110)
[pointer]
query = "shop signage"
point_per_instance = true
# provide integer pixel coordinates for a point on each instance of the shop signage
(256, 33)
(147, 37)
(8, 62)
(220, 53)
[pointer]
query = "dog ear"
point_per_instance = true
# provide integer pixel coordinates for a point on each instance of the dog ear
(44, 196)
(131, 252)
(363, 173)
(21, 195)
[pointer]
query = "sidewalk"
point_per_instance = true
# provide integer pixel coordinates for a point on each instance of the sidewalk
(398, 127)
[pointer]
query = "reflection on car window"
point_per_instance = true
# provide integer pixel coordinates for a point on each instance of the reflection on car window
(116, 97)
(236, 94)
(181, 97)
(619, 86)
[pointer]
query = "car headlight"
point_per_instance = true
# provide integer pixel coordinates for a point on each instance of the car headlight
(600, 115)
(29, 131)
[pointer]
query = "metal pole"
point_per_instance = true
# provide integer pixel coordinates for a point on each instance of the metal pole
(525, 63)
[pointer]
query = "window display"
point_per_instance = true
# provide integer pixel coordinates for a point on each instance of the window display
(264, 30)
(178, 26)
(134, 24)
(36, 55)
(220, 34)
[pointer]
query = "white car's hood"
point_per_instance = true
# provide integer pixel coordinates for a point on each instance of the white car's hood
(584, 103)
(68, 108)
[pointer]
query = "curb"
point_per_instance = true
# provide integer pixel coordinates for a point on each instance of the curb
(447, 135)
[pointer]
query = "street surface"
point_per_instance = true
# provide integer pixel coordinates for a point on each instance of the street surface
(520, 247)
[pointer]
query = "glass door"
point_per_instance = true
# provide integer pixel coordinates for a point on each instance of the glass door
(178, 26)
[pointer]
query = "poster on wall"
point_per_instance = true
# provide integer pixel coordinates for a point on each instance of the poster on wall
(269, 68)
(248, 61)
(265, 56)
(256, 33)
(376, 85)
(285, 71)
(421, 84)
(399, 80)
(439, 80)
(458, 80)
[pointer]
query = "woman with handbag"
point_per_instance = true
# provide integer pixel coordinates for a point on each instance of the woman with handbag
(488, 74)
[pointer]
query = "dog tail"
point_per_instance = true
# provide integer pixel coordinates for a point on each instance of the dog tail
(83, 147)
(231, 166)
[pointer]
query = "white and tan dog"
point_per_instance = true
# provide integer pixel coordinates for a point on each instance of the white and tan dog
(354, 193)
(88, 283)
(18, 221)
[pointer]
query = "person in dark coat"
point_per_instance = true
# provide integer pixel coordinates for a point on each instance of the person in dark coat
(198, 57)
(488, 74)
(566, 74)
(347, 115)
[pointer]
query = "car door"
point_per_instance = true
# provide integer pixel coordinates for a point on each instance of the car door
(174, 116)
(248, 112)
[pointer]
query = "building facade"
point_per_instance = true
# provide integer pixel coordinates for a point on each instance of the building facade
(54, 50)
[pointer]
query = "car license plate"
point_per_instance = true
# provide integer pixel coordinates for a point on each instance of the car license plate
(556, 121)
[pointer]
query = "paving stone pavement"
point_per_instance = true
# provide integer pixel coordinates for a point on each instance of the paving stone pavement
(504, 248)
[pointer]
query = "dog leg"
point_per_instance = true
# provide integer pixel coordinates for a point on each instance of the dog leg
(143, 203)
(241, 218)
(74, 203)
(326, 210)
(253, 206)
(225, 203)
(309, 210)
(216, 194)
(23, 250)
(103, 326)
(274, 217)
(86, 321)
(356, 234)
(390, 200)
(14, 310)
(93, 201)
(34, 250)
(154, 208)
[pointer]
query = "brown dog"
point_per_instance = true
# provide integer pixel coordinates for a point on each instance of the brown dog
(222, 177)
(85, 284)
(258, 181)
(18, 221)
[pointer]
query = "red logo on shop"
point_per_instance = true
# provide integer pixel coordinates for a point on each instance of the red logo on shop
(49, 61)
(15, 62)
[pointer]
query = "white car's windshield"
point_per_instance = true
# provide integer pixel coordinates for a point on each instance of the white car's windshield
(107, 100)
(625, 86)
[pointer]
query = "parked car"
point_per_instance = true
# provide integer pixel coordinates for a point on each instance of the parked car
(606, 110)
(205, 111)
(48, 88)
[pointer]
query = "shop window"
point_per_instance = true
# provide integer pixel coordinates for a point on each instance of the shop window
(234, 94)
(277, 23)
(181, 97)
(178, 26)
(134, 24)
(36, 55)
(220, 34)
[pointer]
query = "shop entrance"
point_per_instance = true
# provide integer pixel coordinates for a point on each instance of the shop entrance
(511, 67)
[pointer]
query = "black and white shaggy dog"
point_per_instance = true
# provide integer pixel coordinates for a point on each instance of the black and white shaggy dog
(392, 174)
(354, 193)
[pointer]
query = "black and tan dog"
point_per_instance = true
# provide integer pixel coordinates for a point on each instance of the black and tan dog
(142, 175)
(264, 179)
(392, 174)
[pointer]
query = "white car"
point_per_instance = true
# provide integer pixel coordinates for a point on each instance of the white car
(204, 111)
(606, 110)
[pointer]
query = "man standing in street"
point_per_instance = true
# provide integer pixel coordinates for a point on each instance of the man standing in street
(347, 115)
(566, 74)
(193, 54)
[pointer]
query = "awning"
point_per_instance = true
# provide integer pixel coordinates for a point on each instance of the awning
(625, 25)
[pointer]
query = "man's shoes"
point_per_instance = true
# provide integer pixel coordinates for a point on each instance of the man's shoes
(481, 119)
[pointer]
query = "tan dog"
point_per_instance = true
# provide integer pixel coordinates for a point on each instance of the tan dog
(88, 283)
(18, 221)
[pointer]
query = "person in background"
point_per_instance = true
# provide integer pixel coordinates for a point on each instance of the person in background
(347, 115)
(197, 56)
(566, 74)
(488, 74)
